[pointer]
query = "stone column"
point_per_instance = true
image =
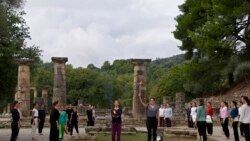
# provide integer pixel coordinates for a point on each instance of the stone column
(34, 94)
(179, 111)
(8, 108)
(59, 90)
(138, 110)
(23, 85)
(45, 98)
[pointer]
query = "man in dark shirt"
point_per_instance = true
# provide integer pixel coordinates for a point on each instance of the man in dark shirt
(69, 112)
(41, 116)
(15, 124)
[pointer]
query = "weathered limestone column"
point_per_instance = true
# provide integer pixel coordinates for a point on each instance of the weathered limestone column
(59, 90)
(45, 98)
(8, 108)
(138, 110)
(34, 94)
(179, 111)
(23, 85)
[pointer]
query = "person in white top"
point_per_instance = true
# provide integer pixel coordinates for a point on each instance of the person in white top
(245, 117)
(34, 121)
(161, 114)
(194, 112)
(241, 130)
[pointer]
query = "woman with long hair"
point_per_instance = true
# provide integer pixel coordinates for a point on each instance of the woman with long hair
(200, 121)
(153, 118)
(224, 118)
(116, 114)
(235, 117)
(194, 112)
(245, 117)
(15, 123)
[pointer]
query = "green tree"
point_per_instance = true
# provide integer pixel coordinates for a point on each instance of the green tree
(13, 33)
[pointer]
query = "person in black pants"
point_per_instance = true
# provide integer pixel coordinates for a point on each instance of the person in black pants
(54, 124)
(235, 117)
(69, 112)
(189, 117)
(74, 121)
(90, 116)
(200, 121)
(41, 117)
(15, 124)
(224, 118)
(245, 117)
(153, 118)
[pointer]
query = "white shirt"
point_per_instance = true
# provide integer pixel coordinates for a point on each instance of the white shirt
(245, 114)
(35, 111)
(161, 112)
(193, 113)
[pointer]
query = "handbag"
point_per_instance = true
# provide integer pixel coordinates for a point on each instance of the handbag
(209, 119)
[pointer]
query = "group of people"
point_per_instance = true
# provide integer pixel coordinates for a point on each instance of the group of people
(166, 115)
(62, 120)
(201, 117)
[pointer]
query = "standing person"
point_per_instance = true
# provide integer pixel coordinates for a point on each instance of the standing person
(20, 114)
(62, 122)
(74, 121)
(15, 123)
(94, 114)
(54, 123)
(189, 117)
(200, 121)
(116, 114)
(194, 112)
(153, 118)
(90, 116)
(235, 117)
(224, 118)
(209, 118)
(34, 121)
(240, 107)
(161, 114)
(41, 116)
(245, 117)
(69, 112)
(168, 114)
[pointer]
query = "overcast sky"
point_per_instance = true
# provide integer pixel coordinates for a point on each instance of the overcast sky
(93, 31)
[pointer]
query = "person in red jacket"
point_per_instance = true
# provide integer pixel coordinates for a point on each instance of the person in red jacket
(210, 113)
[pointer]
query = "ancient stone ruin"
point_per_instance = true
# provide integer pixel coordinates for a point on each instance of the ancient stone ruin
(138, 110)
(59, 89)
(23, 85)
